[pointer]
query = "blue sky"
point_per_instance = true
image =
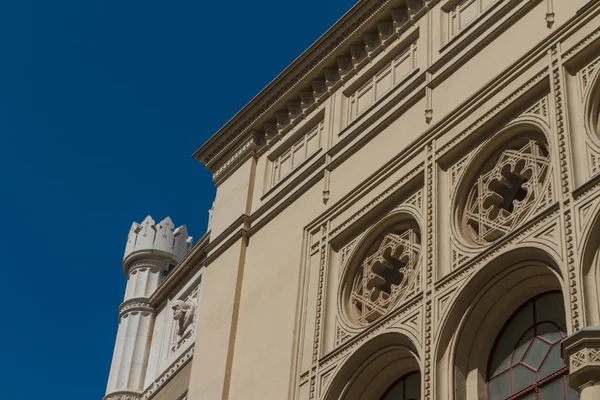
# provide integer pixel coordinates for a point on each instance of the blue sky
(102, 104)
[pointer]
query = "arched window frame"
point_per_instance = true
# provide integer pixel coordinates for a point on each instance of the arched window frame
(412, 377)
(532, 391)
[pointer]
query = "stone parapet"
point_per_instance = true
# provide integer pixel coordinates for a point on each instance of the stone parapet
(162, 239)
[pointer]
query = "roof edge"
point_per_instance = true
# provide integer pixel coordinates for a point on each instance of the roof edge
(319, 52)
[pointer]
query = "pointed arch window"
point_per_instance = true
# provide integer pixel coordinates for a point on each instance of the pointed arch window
(406, 388)
(526, 361)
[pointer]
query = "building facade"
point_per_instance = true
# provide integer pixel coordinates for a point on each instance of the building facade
(411, 210)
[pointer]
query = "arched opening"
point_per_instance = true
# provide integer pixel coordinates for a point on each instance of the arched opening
(526, 361)
(507, 181)
(483, 310)
(386, 367)
(383, 271)
(590, 263)
(406, 388)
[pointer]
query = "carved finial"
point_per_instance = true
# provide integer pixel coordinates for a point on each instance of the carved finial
(428, 115)
(549, 20)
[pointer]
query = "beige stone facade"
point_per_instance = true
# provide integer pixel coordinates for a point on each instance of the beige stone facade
(410, 210)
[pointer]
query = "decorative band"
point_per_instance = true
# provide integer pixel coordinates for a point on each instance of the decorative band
(133, 305)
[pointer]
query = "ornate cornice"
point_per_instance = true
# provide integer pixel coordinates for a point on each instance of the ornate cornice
(297, 73)
(238, 156)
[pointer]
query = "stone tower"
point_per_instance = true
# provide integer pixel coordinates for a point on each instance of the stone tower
(151, 250)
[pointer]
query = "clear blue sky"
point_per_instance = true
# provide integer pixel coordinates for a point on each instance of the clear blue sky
(102, 104)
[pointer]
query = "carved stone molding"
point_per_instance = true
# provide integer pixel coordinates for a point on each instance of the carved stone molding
(540, 109)
(500, 247)
(237, 157)
(377, 200)
(122, 396)
(586, 74)
(543, 74)
(579, 46)
(318, 58)
(386, 276)
(401, 315)
(140, 266)
(593, 160)
(135, 305)
(582, 350)
(166, 376)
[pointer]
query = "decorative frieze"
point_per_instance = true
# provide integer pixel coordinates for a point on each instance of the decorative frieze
(166, 376)
(135, 305)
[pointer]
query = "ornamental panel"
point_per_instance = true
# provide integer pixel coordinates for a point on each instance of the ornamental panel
(384, 275)
(510, 186)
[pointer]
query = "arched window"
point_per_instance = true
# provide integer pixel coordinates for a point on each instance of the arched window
(526, 362)
(406, 388)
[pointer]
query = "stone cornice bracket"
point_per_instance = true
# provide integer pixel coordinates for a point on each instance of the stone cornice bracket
(582, 352)
(326, 62)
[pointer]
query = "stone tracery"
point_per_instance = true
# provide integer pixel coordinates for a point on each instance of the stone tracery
(503, 196)
(386, 276)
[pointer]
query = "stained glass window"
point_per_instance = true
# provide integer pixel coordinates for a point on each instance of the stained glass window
(406, 388)
(526, 362)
